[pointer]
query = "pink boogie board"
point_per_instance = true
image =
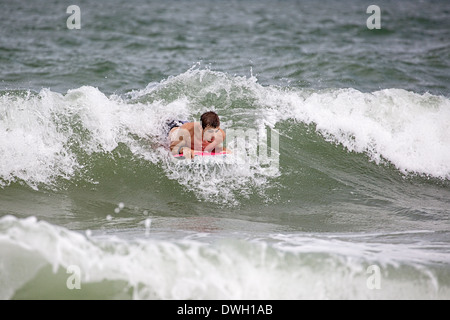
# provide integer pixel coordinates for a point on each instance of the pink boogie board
(203, 154)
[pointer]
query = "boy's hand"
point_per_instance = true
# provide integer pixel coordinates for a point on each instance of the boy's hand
(187, 153)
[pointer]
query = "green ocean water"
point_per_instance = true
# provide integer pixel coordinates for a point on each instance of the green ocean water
(341, 163)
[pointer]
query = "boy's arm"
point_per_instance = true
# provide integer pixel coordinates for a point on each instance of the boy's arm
(179, 140)
(217, 144)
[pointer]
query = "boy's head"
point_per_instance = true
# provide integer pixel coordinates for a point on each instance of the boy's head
(210, 119)
(210, 124)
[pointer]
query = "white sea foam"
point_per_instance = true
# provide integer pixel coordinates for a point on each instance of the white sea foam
(282, 267)
(41, 135)
(409, 130)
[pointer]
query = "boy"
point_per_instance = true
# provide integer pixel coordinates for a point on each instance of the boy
(206, 135)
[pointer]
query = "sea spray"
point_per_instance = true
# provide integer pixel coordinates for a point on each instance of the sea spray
(271, 267)
(48, 137)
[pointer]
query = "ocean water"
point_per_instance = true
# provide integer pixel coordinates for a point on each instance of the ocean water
(339, 186)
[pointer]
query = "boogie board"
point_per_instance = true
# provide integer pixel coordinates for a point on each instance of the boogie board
(204, 155)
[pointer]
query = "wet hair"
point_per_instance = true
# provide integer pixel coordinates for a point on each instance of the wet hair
(210, 119)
